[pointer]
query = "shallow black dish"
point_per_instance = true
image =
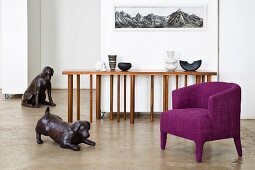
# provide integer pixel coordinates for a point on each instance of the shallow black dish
(124, 66)
(190, 67)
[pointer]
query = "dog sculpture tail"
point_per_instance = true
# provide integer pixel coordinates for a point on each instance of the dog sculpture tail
(47, 112)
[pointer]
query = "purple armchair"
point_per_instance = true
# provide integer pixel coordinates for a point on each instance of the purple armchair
(204, 112)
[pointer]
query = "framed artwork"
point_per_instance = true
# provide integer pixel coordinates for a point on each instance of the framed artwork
(160, 17)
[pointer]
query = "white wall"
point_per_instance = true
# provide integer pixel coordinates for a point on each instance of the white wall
(237, 55)
(70, 37)
(148, 49)
(34, 38)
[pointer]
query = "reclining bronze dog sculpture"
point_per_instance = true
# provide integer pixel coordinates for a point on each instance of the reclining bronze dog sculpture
(68, 136)
(35, 95)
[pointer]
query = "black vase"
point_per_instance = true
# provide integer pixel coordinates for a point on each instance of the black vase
(124, 66)
(112, 61)
(190, 67)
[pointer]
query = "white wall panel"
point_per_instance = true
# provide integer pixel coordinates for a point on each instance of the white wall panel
(237, 55)
(70, 37)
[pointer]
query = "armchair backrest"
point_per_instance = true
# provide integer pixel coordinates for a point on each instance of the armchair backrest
(205, 90)
(223, 101)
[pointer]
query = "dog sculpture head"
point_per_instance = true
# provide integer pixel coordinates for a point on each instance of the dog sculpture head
(47, 72)
(82, 127)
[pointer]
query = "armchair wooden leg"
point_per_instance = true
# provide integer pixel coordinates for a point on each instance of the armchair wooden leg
(238, 146)
(163, 138)
(199, 151)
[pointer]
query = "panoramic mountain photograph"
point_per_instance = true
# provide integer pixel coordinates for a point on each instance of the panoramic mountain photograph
(159, 17)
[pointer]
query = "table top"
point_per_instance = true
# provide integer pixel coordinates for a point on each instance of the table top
(136, 72)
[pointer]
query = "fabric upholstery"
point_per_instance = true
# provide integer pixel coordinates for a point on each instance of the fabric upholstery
(204, 112)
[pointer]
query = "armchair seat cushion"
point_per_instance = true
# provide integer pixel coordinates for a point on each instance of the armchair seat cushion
(190, 123)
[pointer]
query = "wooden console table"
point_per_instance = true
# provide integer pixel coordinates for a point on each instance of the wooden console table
(201, 76)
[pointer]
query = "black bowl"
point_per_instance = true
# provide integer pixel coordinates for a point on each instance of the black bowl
(124, 66)
(190, 67)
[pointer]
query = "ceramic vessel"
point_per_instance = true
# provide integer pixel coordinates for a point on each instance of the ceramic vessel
(190, 67)
(170, 61)
(100, 66)
(112, 61)
(124, 66)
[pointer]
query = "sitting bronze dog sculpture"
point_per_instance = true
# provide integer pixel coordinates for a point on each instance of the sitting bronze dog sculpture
(35, 93)
(68, 136)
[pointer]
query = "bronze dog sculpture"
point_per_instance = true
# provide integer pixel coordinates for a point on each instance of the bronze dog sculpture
(68, 136)
(35, 93)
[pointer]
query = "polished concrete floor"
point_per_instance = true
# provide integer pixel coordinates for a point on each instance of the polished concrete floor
(119, 145)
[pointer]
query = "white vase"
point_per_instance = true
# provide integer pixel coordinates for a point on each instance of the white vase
(170, 61)
(100, 66)
(170, 67)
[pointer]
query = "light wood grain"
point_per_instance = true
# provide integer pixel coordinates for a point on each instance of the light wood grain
(138, 72)
(118, 98)
(132, 98)
(177, 82)
(78, 97)
(111, 97)
(198, 79)
(209, 78)
(203, 78)
(98, 99)
(185, 80)
(91, 98)
(152, 98)
(164, 92)
(125, 96)
(167, 82)
(70, 98)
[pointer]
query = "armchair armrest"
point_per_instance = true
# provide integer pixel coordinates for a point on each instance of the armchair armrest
(225, 108)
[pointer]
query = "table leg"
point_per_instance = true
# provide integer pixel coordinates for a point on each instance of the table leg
(70, 98)
(209, 78)
(91, 98)
(125, 96)
(78, 98)
(118, 99)
(98, 96)
(185, 80)
(177, 81)
(203, 78)
(198, 79)
(111, 97)
(164, 93)
(167, 82)
(132, 99)
(152, 98)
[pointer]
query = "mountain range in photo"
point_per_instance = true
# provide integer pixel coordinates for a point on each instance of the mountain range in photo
(177, 19)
